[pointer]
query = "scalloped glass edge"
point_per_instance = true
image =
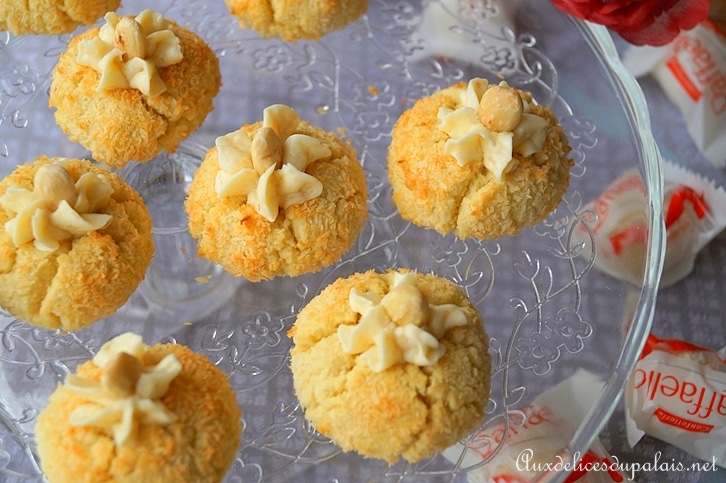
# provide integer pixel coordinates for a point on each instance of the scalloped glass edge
(633, 102)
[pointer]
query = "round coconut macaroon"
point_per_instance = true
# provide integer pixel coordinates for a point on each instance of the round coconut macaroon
(478, 160)
(137, 413)
(296, 20)
(51, 16)
(391, 365)
(75, 242)
(134, 87)
(280, 197)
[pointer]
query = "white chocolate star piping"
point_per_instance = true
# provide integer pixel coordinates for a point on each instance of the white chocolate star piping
(400, 327)
(129, 51)
(129, 392)
(270, 167)
(491, 123)
(58, 208)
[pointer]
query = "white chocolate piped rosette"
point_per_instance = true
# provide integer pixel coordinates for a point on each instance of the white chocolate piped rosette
(129, 393)
(490, 126)
(280, 197)
(405, 351)
(75, 241)
(400, 327)
(58, 208)
(140, 413)
(478, 160)
(269, 169)
(133, 87)
(129, 51)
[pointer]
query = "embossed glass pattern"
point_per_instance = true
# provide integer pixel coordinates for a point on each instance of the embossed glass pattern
(547, 310)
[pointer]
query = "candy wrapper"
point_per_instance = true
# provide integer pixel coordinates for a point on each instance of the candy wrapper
(677, 394)
(445, 40)
(692, 72)
(536, 436)
(695, 213)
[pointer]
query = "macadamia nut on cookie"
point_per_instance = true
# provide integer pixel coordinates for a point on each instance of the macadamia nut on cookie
(280, 197)
(478, 160)
(391, 365)
(75, 242)
(134, 87)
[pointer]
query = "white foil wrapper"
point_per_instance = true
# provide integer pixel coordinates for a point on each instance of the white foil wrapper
(537, 436)
(694, 210)
(692, 72)
(677, 394)
(444, 38)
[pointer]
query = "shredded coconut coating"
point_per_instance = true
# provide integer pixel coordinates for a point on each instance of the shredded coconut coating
(87, 278)
(51, 16)
(303, 238)
(294, 20)
(432, 190)
(121, 125)
(198, 446)
(406, 411)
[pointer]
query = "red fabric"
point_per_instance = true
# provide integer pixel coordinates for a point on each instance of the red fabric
(640, 22)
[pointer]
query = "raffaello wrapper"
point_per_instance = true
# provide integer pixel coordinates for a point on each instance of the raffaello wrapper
(692, 72)
(444, 40)
(694, 210)
(677, 393)
(533, 440)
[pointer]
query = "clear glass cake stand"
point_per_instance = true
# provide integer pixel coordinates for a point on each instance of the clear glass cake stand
(547, 309)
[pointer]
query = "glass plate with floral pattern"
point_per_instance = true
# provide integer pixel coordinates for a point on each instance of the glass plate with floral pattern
(547, 309)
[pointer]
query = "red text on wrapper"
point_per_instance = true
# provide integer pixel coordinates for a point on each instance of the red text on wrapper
(677, 205)
(703, 71)
(490, 440)
(626, 184)
(677, 393)
(680, 197)
(698, 401)
(671, 419)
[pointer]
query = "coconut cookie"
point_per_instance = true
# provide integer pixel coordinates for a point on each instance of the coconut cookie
(391, 365)
(75, 242)
(478, 160)
(280, 197)
(138, 413)
(51, 16)
(134, 87)
(296, 20)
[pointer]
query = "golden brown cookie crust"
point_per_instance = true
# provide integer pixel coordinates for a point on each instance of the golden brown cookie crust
(51, 16)
(471, 202)
(406, 411)
(294, 20)
(304, 238)
(199, 446)
(121, 125)
(87, 278)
